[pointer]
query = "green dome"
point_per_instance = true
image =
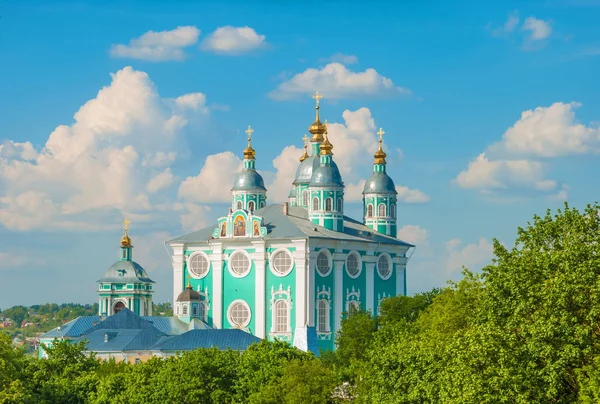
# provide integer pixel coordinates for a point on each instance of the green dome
(126, 271)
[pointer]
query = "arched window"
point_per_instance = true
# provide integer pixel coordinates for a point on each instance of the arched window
(328, 203)
(369, 210)
(239, 204)
(194, 310)
(262, 204)
(381, 209)
(185, 309)
(305, 198)
(251, 206)
(323, 316)
(177, 309)
(281, 316)
(353, 306)
(393, 210)
(315, 203)
(340, 207)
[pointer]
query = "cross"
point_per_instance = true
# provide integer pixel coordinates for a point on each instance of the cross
(305, 139)
(126, 223)
(380, 133)
(249, 132)
(317, 97)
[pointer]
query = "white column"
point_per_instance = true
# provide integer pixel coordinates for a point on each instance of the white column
(312, 263)
(216, 260)
(178, 261)
(338, 294)
(99, 306)
(370, 287)
(142, 306)
(400, 264)
(300, 297)
(259, 297)
(149, 306)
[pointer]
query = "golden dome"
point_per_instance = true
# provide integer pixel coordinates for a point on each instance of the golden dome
(326, 146)
(317, 129)
(380, 154)
(125, 240)
(305, 154)
(249, 152)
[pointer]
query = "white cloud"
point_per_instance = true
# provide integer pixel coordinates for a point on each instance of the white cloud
(413, 234)
(214, 181)
(549, 132)
(285, 165)
(158, 46)
(13, 260)
(342, 58)
(538, 29)
(161, 181)
(234, 40)
(353, 192)
(471, 256)
(408, 195)
(194, 216)
(486, 174)
(106, 161)
(509, 26)
(336, 81)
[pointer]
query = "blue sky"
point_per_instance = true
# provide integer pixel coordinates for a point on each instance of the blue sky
(139, 109)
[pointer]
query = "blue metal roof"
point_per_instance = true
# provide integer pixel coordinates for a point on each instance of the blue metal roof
(73, 328)
(235, 339)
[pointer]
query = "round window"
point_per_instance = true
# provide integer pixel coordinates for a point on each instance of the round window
(384, 267)
(353, 265)
(281, 262)
(239, 314)
(323, 265)
(198, 265)
(239, 264)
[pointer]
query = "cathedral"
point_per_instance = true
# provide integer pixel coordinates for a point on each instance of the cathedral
(289, 271)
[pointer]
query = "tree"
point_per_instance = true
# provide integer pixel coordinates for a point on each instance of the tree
(405, 308)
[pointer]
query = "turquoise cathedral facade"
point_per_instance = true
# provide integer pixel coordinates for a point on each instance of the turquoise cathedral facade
(291, 271)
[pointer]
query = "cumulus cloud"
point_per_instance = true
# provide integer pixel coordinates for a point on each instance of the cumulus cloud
(512, 163)
(158, 46)
(531, 33)
(508, 27)
(336, 81)
(413, 234)
(95, 164)
(214, 181)
(472, 256)
(407, 195)
(550, 132)
(233, 40)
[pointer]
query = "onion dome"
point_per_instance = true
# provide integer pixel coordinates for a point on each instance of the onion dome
(380, 183)
(327, 176)
(188, 294)
(126, 272)
(326, 146)
(248, 180)
(317, 128)
(380, 154)
(305, 154)
(125, 240)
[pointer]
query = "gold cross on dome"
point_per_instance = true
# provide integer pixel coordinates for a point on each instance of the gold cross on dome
(380, 133)
(249, 131)
(305, 139)
(317, 97)
(126, 223)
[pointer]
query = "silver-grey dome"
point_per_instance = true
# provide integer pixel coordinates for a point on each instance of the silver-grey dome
(125, 271)
(327, 176)
(305, 170)
(248, 180)
(379, 183)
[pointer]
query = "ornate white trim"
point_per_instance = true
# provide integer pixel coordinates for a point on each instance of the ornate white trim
(329, 259)
(286, 296)
(271, 262)
(380, 298)
(231, 322)
(352, 296)
(390, 263)
(231, 271)
(323, 294)
(355, 253)
(189, 268)
(204, 296)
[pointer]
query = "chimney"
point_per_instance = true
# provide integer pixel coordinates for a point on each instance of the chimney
(285, 208)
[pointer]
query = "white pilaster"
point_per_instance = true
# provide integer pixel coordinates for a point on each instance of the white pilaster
(216, 260)
(312, 264)
(338, 302)
(178, 260)
(259, 311)
(370, 287)
(149, 306)
(300, 297)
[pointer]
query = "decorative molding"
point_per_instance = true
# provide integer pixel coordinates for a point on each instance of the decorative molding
(380, 298)
(278, 295)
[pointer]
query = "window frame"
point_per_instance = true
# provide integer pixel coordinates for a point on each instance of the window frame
(323, 312)
(230, 266)
(189, 264)
(379, 209)
(390, 268)
(274, 271)
(369, 210)
(276, 317)
(251, 208)
(315, 199)
(229, 313)
(359, 260)
(329, 259)
(328, 204)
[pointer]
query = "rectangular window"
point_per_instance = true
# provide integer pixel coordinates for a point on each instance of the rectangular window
(137, 361)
